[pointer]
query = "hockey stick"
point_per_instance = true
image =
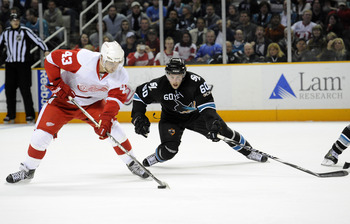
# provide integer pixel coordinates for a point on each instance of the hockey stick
(339, 173)
(162, 184)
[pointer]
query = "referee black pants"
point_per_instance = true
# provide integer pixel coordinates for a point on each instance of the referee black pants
(18, 75)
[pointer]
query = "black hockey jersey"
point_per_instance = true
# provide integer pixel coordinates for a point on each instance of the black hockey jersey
(191, 98)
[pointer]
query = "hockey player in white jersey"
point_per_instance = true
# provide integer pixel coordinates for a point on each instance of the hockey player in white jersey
(97, 81)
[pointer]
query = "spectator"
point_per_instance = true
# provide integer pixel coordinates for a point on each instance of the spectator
(176, 5)
(210, 18)
(84, 42)
(246, 26)
(231, 58)
(219, 34)
(233, 16)
(318, 16)
(71, 8)
(335, 51)
(344, 14)
(249, 55)
(113, 21)
(135, 17)
(260, 42)
(174, 16)
(303, 29)
(276, 6)
(293, 15)
(334, 25)
(142, 57)
(170, 30)
(264, 16)
(127, 8)
(317, 44)
(18, 73)
(274, 54)
(275, 30)
(53, 16)
(168, 53)
(302, 6)
(97, 49)
(144, 27)
(186, 48)
(33, 23)
(187, 20)
(5, 11)
(284, 42)
(153, 13)
(130, 45)
(94, 37)
(238, 43)
(198, 9)
(198, 34)
(250, 6)
(153, 42)
(331, 36)
(209, 49)
(121, 35)
(301, 52)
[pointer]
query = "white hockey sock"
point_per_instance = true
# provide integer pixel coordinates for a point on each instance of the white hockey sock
(125, 158)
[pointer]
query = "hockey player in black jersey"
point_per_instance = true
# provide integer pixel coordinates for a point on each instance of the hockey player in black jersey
(187, 103)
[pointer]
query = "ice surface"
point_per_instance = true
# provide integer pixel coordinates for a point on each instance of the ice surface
(81, 180)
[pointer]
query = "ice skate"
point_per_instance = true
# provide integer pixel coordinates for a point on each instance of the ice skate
(136, 169)
(256, 156)
(8, 120)
(330, 159)
(150, 160)
(23, 174)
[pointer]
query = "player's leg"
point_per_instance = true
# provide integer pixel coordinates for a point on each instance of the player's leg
(199, 125)
(170, 136)
(331, 158)
(50, 121)
(10, 92)
(118, 133)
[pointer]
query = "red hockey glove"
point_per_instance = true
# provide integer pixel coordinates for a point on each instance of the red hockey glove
(61, 89)
(105, 126)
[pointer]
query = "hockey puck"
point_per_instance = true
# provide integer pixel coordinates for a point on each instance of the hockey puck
(346, 165)
(161, 186)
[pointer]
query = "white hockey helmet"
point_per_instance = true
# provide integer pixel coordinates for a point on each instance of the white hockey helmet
(112, 52)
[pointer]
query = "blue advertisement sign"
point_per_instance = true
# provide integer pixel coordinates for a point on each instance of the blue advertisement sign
(43, 92)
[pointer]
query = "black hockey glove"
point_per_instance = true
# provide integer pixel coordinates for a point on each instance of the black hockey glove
(141, 124)
(214, 130)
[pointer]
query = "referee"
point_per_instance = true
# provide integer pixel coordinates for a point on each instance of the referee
(18, 73)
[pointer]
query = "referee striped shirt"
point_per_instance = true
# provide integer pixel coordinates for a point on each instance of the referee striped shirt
(18, 43)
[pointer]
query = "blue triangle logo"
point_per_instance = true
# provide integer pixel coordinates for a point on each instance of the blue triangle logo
(282, 89)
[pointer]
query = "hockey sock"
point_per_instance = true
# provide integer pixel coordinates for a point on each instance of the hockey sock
(343, 141)
(125, 158)
(34, 157)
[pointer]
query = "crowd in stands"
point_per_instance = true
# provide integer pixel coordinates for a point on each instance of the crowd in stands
(255, 30)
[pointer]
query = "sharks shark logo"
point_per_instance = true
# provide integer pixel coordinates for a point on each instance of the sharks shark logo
(282, 89)
(183, 109)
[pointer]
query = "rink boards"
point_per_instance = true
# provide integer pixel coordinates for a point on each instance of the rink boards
(244, 92)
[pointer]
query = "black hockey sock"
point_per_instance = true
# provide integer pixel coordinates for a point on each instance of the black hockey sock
(343, 141)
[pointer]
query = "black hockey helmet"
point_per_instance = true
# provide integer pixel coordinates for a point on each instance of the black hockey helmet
(175, 66)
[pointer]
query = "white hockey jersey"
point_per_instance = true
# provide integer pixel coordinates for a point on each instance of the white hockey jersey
(80, 70)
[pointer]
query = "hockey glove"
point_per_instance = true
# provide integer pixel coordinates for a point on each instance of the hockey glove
(61, 89)
(214, 130)
(141, 124)
(105, 126)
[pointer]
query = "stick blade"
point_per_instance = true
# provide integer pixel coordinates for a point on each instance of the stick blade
(340, 173)
(163, 186)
